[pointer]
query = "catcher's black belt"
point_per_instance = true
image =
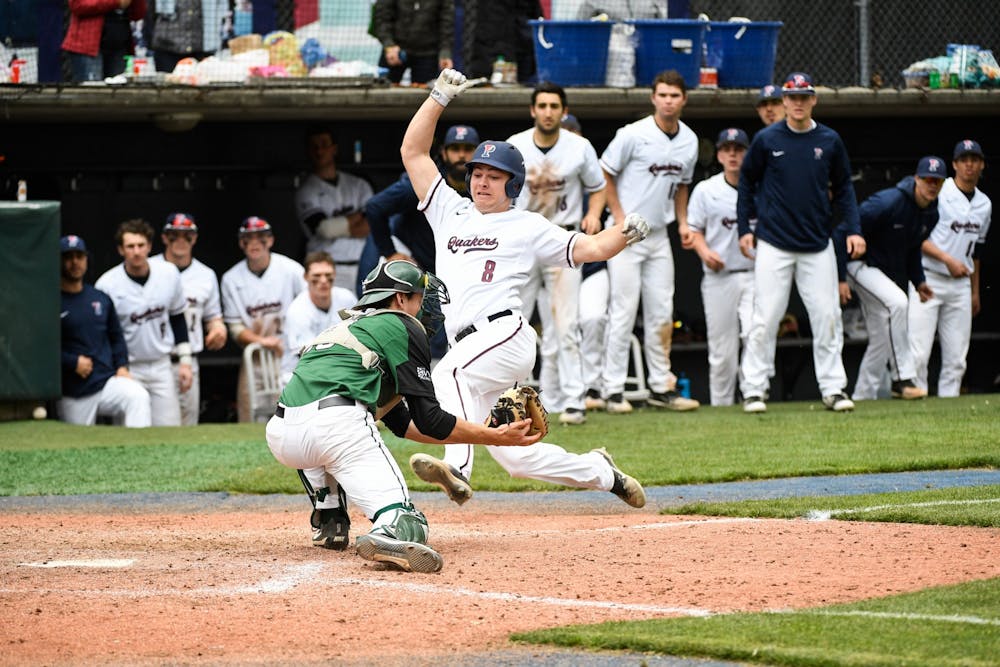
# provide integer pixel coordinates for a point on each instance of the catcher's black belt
(489, 318)
(328, 402)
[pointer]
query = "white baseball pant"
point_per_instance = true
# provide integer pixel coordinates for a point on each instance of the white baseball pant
(949, 312)
(593, 326)
(340, 444)
(123, 399)
(159, 380)
(728, 299)
(815, 275)
(884, 306)
(469, 379)
(645, 269)
(190, 400)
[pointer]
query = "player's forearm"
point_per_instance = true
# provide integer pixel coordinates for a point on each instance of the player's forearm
(934, 252)
(681, 205)
(420, 132)
(974, 278)
(611, 193)
(599, 247)
(596, 203)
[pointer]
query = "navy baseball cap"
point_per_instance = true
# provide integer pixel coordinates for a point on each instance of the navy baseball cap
(968, 147)
(253, 225)
(798, 83)
(931, 166)
(732, 135)
(461, 134)
(569, 122)
(180, 222)
(72, 243)
(768, 92)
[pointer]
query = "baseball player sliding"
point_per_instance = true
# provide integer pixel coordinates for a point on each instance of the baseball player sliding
(486, 250)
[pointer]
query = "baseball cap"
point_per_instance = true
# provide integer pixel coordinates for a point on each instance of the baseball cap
(968, 147)
(732, 135)
(461, 134)
(798, 83)
(72, 243)
(180, 222)
(931, 166)
(570, 122)
(253, 225)
(768, 92)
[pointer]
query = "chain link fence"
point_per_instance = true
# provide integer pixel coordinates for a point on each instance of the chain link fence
(840, 42)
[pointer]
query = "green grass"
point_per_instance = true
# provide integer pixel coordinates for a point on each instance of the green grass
(961, 506)
(949, 626)
(710, 445)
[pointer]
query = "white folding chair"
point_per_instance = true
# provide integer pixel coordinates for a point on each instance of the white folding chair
(635, 384)
(263, 370)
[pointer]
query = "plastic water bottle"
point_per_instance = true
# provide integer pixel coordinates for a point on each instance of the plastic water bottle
(684, 386)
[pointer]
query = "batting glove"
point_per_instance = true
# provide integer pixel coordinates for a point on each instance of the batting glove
(635, 228)
(449, 85)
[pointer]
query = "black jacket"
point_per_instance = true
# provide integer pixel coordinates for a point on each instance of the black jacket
(420, 27)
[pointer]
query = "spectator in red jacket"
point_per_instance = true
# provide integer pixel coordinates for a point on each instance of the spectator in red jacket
(99, 36)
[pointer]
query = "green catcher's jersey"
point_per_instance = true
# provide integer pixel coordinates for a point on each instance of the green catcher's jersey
(403, 367)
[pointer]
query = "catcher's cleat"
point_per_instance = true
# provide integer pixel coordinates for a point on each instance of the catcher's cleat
(671, 400)
(436, 471)
(409, 556)
(331, 528)
(626, 487)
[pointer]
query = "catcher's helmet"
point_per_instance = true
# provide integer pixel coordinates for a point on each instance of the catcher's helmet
(505, 157)
(401, 275)
(180, 222)
(253, 225)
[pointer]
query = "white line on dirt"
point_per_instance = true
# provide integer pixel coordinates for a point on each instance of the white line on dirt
(292, 577)
(674, 524)
(514, 597)
(974, 620)
(823, 515)
(91, 562)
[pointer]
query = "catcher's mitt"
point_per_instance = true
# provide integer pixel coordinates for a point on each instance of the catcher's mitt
(519, 403)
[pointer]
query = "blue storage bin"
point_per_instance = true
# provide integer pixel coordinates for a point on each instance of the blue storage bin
(571, 53)
(743, 52)
(662, 44)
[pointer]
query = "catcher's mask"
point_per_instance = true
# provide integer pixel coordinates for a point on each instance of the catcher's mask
(400, 275)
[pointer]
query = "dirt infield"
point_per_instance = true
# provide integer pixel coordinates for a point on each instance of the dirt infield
(119, 586)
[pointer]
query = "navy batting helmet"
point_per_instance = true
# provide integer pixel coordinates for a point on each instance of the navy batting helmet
(503, 156)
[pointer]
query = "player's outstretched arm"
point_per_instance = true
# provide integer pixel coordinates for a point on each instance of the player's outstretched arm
(514, 434)
(611, 241)
(416, 147)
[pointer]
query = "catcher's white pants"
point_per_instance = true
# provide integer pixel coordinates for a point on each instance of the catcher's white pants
(949, 312)
(815, 275)
(160, 381)
(884, 306)
(561, 377)
(123, 399)
(190, 400)
(340, 444)
(728, 299)
(645, 269)
(593, 326)
(469, 379)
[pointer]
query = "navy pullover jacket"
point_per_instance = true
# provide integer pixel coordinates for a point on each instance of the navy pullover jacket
(894, 228)
(90, 327)
(792, 173)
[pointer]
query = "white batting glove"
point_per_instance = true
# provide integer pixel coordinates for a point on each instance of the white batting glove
(635, 228)
(449, 85)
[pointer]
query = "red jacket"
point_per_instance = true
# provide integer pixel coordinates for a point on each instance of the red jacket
(87, 21)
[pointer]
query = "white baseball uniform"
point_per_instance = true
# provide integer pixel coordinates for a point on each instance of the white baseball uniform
(144, 311)
(259, 303)
(304, 320)
(555, 186)
(728, 293)
(346, 195)
(961, 230)
(484, 260)
(647, 166)
(201, 290)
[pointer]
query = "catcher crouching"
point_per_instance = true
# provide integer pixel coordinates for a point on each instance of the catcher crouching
(351, 375)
